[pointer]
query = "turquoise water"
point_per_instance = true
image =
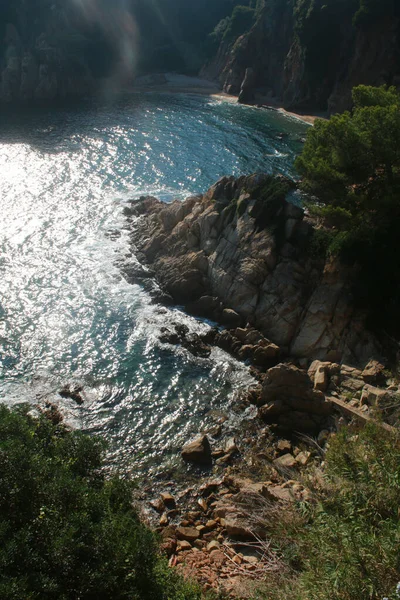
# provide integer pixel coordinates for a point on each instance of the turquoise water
(66, 313)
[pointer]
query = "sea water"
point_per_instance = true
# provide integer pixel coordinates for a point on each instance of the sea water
(66, 312)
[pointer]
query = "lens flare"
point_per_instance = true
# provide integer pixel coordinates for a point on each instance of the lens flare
(117, 23)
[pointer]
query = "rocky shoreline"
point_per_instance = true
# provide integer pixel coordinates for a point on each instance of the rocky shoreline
(240, 256)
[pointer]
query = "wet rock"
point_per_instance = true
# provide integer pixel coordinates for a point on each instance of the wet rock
(135, 272)
(53, 413)
(246, 94)
(264, 356)
(248, 344)
(226, 245)
(206, 306)
(169, 337)
(196, 346)
(198, 451)
(191, 341)
(73, 392)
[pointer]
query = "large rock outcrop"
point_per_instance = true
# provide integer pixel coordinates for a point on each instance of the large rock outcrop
(245, 244)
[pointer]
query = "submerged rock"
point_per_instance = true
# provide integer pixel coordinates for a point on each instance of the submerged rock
(73, 392)
(191, 341)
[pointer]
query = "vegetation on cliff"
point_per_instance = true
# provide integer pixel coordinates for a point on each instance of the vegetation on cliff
(345, 545)
(351, 166)
(66, 531)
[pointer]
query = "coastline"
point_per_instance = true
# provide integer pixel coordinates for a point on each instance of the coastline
(171, 83)
(210, 527)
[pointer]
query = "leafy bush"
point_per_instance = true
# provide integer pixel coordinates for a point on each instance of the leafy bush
(241, 21)
(320, 243)
(356, 525)
(66, 532)
(347, 548)
(269, 197)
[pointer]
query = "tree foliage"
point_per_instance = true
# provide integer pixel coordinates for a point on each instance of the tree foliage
(351, 166)
(356, 524)
(344, 544)
(371, 10)
(67, 532)
(241, 20)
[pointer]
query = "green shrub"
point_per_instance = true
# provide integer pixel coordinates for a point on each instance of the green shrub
(67, 532)
(352, 542)
(269, 197)
(347, 548)
(319, 243)
(241, 21)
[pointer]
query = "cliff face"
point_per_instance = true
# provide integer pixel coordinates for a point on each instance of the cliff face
(54, 50)
(264, 49)
(37, 62)
(371, 57)
(50, 49)
(243, 243)
(310, 60)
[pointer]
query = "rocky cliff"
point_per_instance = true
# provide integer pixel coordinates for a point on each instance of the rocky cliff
(241, 253)
(55, 50)
(34, 63)
(309, 55)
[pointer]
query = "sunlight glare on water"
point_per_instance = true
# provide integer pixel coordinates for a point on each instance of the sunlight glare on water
(66, 313)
